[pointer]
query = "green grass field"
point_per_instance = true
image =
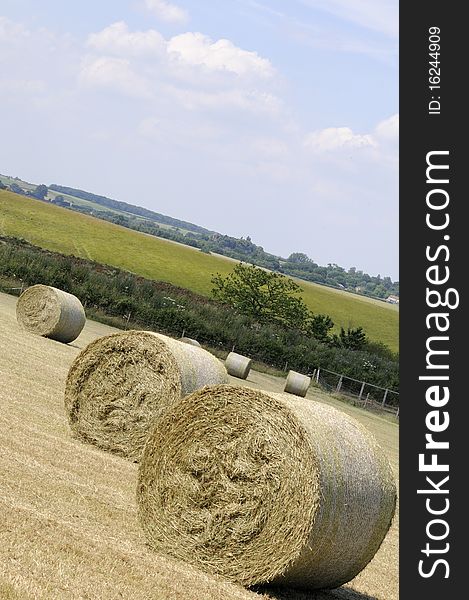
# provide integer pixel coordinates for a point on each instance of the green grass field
(80, 202)
(65, 231)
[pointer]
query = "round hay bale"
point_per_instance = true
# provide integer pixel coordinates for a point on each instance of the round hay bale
(297, 384)
(190, 341)
(238, 365)
(50, 312)
(261, 487)
(119, 383)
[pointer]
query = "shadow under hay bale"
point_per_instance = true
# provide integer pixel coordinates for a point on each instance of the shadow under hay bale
(297, 384)
(190, 341)
(261, 487)
(120, 383)
(238, 365)
(50, 312)
(343, 593)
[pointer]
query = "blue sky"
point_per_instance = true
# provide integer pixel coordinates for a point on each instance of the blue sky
(268, 118)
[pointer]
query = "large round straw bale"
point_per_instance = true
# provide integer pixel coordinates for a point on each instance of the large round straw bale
(238, 365)
(262, 487)
(297, 384)
(119, 383)
(190, 341)
(51, 312)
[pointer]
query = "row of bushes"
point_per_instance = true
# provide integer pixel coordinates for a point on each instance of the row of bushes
(142, 303)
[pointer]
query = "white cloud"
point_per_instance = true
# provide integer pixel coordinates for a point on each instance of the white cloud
(388, 130)
(382, 139)
(181, 53)
(117, 39)
(194, 48)
(167, 12)
(118, 61)
(11, 31)
(113, 73)
(337, 138)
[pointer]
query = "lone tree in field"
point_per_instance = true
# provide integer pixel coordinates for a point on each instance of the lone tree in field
(266, 296)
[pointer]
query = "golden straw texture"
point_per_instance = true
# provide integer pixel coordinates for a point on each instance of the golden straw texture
(50, 312)
(297, 384)
(262, 487)
(238, 365)
(119, 383)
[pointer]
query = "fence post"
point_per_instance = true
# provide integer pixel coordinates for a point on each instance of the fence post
(384, 398)
(317, 375)
(366, 399)
(286, 365)
(397, 412)
(339, 384)
(361, 391)
(313, 374)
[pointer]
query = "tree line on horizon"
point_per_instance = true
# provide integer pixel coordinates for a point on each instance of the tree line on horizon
(297, 265)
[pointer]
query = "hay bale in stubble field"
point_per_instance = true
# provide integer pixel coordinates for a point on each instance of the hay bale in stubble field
(297, 384)
(119, 383)
(261, 487)
(50, 312)
(238, 365)
(190, 341)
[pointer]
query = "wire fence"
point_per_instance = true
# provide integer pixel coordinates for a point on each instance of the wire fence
(366, 395)
(361, 393)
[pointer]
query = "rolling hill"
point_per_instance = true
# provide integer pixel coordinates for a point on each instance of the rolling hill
(138, 218)
(62, 230)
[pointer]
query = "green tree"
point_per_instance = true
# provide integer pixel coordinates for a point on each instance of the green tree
(266, 296)
(352, 339)
(319, 327)
(299, 257)
(40, 191)
(14, 187)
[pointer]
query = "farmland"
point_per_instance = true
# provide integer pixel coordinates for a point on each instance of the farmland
(69, 527)
(61, 230)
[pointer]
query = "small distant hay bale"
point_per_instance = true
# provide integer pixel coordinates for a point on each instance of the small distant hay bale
(261, 487)
(119, 383)
(51, 312)
(190, 341)
(238, 365)
(297, 384)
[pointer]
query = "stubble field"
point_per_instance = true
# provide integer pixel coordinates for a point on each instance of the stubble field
(68, 524)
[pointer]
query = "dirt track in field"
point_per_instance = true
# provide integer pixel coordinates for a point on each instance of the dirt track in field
(68, 525)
